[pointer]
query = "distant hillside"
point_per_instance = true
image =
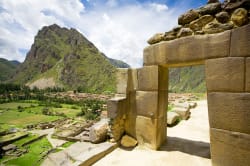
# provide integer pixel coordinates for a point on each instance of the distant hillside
(7, 68)
(187, 79)
(118, 63)
(61, 57)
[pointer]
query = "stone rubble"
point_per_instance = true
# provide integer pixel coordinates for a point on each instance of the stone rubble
(214, 17)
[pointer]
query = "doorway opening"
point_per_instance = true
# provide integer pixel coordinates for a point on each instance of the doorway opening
(187, 112)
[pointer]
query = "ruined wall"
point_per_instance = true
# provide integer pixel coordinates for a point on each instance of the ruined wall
(214, 17)
(226, 56)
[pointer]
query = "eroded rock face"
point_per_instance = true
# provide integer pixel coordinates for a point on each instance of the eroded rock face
(239, 17)
(188, 17)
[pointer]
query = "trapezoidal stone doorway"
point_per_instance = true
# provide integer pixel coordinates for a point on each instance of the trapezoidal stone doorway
(139, 107)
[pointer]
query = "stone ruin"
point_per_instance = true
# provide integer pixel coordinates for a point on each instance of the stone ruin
(219, 38)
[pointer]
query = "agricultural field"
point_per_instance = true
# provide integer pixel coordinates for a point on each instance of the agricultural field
(26, 148)
(21, 114)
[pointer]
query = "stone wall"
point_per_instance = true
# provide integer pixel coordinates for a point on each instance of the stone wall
(140, 110)
(214, 17)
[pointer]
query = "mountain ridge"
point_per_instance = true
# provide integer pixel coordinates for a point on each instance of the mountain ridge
(69, 59)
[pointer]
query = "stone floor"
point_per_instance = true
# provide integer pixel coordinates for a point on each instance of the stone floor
(188, 144)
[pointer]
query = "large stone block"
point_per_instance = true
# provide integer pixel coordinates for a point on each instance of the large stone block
(229, 111)
(131, 114)
(240, 42)
(190, 50)
(126, 80)
(153, 78)
(229, 148)
(151, 104)
(247, 75)
(116, 107)
(121, 80)
(132, 80)
(225, 74)
(150, 132)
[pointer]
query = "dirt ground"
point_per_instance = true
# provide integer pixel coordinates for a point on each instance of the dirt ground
(187, 145)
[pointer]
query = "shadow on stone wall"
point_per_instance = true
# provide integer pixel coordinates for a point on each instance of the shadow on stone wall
(197, 148)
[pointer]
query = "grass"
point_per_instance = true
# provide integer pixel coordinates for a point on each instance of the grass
(21, 119)
(11, 137)
(30, 137)
(35, 153)
(14, 105)
(170, 107)
(21, 114)
(67, 144)
(69, 112)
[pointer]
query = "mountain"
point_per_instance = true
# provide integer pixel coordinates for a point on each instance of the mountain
(7, 69)
(118, 63)
(61, 57)
(187, 79)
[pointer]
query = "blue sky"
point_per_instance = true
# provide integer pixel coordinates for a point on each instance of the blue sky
(119, 28)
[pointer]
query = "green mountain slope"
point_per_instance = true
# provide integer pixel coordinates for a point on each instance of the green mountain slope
(7, 68)
(65, 58)
(187, 79)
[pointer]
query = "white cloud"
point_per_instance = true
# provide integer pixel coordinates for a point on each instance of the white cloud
(159, 7)
(120, 31)
(20, 20)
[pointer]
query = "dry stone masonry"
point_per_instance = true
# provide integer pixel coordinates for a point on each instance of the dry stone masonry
(212, 18)
(138, 110)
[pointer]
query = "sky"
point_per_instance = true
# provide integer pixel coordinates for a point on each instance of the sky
(118, 28)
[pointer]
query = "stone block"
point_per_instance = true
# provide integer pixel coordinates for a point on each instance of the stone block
(229, 111)
(247, 75)
(190, 50)
(150, 132)
(128, 142)
(155, 54)
(172, 117)
(98, 132)
(116, 106)
(151, 104)
(225, 74)
(240, 42)
(216, 45)
(121, 80)
(147, 103)
(132, 80)
(229, 148)
(183, 112)
(131, 114)
(153, 78)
